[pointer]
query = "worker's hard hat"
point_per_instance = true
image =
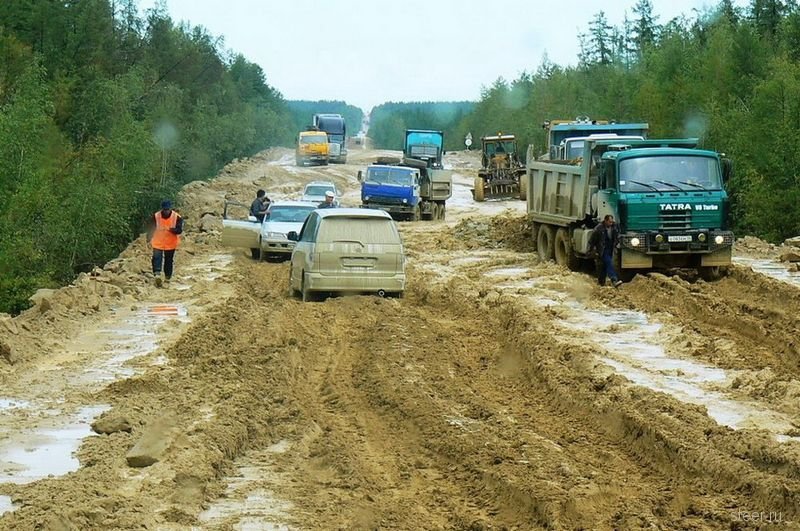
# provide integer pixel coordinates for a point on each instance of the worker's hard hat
(329, 194)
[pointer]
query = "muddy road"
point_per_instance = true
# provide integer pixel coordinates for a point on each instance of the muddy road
(500, 393)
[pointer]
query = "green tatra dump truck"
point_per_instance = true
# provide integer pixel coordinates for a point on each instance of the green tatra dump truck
(666, 195)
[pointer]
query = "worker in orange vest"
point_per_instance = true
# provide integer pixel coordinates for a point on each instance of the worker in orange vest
(165, 239)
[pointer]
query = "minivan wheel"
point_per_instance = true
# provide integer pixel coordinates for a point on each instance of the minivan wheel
(304, 291)
(255, 253)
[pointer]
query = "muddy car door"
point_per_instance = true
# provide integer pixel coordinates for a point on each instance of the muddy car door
(244, 233)
(303, 251)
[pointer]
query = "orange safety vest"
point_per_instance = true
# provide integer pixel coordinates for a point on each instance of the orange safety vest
(163, 239)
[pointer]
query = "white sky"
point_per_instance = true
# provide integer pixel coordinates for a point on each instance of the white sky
(367, 52)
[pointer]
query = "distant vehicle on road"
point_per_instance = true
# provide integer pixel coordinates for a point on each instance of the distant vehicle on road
(347, 250)
(336, 129)
(268, 239)
(312, 146)
(315, 191)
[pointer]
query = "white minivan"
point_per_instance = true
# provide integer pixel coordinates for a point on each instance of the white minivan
(348, 251)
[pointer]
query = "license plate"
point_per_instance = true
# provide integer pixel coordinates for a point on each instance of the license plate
(679, 238)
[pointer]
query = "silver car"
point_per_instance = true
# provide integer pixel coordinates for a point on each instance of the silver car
(268, 239)
(315, 192)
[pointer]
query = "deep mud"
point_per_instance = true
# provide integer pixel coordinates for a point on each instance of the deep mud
(500, 393)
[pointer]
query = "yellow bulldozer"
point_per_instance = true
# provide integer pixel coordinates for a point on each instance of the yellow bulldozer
(500, 176)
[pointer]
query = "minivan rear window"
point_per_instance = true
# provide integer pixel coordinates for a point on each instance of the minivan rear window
(364, 230)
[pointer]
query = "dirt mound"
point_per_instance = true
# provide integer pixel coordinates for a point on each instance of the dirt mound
(505, 230)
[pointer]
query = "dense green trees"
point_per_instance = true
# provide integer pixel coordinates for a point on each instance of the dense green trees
(389, 121)
(728, 76)
(102, 113)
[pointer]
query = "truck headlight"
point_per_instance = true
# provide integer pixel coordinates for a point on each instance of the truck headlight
(405, 201)
(718, 239)
(701, 237)
(659, 238)
(366, 198)
(635, 242)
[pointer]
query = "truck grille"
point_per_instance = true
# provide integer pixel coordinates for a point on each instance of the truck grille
(383, 200)
(676, 220)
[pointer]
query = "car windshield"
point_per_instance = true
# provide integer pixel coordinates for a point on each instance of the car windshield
(289, 214)
(396, 176)
(669, 172)
(314, 139)
(318, 190)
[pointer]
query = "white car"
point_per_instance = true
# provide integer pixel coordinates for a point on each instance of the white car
(268, 239)
(315, 192)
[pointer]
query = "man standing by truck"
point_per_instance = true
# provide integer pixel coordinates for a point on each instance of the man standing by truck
(602, 243)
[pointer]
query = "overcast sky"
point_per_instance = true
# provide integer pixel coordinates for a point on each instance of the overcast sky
(367, 52)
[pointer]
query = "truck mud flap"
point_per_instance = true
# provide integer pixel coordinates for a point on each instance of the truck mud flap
(720, 257)
(633, 260)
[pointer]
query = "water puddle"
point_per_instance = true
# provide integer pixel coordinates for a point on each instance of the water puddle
(630, 340)
(47, 451)
(508, 272)
(39, 435)
(6, 506)
(631, 345)
(248, 504)
(13, 403)
(770, 268)
(212, 269)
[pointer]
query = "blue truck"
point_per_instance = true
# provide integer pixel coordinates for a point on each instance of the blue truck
(414, 187)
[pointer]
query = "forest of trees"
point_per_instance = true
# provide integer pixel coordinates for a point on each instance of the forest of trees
(303, 111)
(729, 76)
(102, 113)
(389, 121)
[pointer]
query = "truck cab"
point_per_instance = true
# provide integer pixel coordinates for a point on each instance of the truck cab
(670, 204)
(334, 126)
(424, 145)
(312, 147)
(409, 191)
(558, 131)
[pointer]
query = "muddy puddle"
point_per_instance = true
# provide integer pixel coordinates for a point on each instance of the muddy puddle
(214, 268)
(40, 435)
(6, 506)
(631, 344)
(770, 268)
(249, 503)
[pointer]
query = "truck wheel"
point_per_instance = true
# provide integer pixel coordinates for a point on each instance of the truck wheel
(710, 274)
(442, 211)
(545, 242)
(417, 215)
(255, 253)
(563, 250)
(534, 235)
(478, 193)
(523, 187)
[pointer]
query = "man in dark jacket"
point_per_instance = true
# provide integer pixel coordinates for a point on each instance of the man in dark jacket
(603, 241)
(258, 209)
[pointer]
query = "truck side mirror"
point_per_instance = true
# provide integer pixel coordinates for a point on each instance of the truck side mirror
(292, 236)
(727, 170)
(360, 176)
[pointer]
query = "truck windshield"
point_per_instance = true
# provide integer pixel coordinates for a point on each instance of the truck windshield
(289, 214)
(314, 139)
(669, 172)
(493, 148)
(574, 149)
(395, 176)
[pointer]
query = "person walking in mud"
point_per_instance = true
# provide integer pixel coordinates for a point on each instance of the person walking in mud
(329, 200)
(602, 243)
(165, 240)
(258, 208)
